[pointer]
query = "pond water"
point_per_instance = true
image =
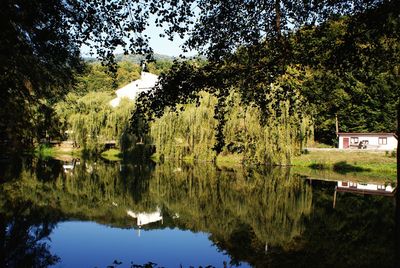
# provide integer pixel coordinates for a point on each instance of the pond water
(93, 213)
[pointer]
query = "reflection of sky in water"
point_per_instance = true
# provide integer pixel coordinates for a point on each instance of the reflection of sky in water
(88, 244)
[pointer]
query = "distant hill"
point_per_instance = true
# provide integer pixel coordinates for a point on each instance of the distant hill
(133, 58)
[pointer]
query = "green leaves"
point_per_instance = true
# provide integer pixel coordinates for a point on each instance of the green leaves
(250, 45)
(352, 74)
(92, 121)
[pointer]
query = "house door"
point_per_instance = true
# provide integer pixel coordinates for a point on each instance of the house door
(345, 143)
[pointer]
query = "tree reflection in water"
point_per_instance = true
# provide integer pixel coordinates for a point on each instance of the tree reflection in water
(245, 211)
(24, 233)
(267, 217)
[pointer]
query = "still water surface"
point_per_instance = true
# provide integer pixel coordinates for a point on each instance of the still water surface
(92, 213)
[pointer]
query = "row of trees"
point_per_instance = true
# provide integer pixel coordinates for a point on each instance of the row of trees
(346, 66)
(327, 58)
(280, 109)
(85, 115)
(40, 45)
(191, 133)
(88, 119)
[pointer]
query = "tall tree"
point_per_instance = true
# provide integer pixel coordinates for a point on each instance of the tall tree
(252, 44)
(40, 43)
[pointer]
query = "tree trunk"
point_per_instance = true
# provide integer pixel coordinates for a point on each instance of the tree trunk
(278, 18)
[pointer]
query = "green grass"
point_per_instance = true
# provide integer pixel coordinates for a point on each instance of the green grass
(156, 158)
(112, 155)
(371, 165)
(231, 160)
(44, 151)
(316, 144)
(329, 174)
(58, 151)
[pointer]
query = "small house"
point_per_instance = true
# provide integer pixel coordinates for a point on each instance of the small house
(146, 82)
(375, 141)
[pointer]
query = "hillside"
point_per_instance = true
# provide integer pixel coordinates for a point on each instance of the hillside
(133, 58)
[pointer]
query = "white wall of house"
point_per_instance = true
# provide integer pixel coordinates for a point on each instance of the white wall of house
(377, 141)
(365, 186)
(146, 82)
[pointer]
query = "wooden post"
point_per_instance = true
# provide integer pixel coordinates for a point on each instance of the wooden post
(334, 197)
(397, 196)
(337, 126)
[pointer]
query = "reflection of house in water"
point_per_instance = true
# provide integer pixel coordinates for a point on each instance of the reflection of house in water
(363, 188)
(69, 166)
(144, 218)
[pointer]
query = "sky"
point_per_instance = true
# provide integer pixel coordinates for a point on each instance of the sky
(163, 45)
(160, 45)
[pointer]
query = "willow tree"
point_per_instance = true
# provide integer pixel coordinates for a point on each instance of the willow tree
(349, 46)
(91, 121)
(251, 47)
(40, 44)
(40, 41)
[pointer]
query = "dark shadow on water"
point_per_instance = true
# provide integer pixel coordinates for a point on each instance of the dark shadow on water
(343, 167)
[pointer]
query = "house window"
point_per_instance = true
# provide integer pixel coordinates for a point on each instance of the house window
(354, 140)
(353, 184)
(382, 140)
(381, 187)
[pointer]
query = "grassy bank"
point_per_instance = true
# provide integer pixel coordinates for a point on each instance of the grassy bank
(59, 152)
(332, 165)
(112, 155)
(352, 165)
(43, 151)
(46, 151)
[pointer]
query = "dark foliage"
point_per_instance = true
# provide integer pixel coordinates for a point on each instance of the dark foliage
(40, 46)
(347, 54)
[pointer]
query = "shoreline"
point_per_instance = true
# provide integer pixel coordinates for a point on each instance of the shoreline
(334, 163)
